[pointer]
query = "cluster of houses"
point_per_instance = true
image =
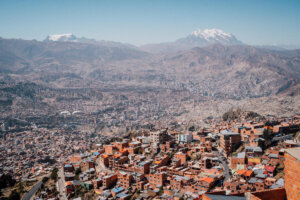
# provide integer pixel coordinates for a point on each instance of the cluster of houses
(236, 160)
(31, 154)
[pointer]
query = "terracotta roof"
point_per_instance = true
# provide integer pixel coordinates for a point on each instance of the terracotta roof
(97, 191)
(241, 171)
(248, 173)
(117, 156)
(207, 179)
(244, 172)
(69, 183)
(104, 156)
(269, 168)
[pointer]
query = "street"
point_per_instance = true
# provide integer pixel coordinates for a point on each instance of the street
(32, 191)
(61, 184)
(225, 166)
(29, 195)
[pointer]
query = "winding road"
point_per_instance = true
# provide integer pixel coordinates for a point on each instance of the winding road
(225, 166)
(32, 191)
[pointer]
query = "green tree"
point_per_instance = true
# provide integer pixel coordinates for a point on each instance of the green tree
(14, 195)
(267, 134)
(77, 173)
(20, 187)
(45, 179)
(252, 114)
(7, 181)
(230, 115)
(161, 190)
(192, 128)
(54, 175)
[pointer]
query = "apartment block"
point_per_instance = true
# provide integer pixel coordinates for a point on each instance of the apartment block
(229, 141)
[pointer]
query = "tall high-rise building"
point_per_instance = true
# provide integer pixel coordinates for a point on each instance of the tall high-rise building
(229, 142)
(158, 137)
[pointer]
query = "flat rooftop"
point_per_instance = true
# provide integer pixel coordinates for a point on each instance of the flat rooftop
(295, 152)
(224, 197)
(225, 132)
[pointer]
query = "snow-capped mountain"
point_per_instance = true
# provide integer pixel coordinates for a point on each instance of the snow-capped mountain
(210, 36)
(67, 37)
(210, 33)
(197, 38)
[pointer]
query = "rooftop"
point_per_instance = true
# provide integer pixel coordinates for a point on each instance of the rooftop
(295, 152)
(117, 190)
(224, 197)
(241, 155)
(225, 132)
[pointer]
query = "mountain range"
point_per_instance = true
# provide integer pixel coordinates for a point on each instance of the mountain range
(198, 38)
(210, 64)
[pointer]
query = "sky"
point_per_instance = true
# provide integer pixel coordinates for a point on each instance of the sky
(255, 22)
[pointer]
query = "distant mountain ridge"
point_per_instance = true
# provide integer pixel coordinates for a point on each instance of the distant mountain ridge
(17, 55)
(180, 77)
(198, 38)
(70, 37)
(67, 37)
(208, 62)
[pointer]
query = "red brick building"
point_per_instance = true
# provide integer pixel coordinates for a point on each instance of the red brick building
(105, 160)
(125, 179)
(292, 173)
(205, 183)
(181, 156)
(157, 179)
(109, 149)
(109, 180)
(229, 142)
(274, 194)
(121, 145)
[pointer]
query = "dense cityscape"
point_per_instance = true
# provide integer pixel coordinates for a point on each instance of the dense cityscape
(149, 100)
(249, 157)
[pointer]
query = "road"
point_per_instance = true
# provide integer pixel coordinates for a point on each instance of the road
(61, 184)
(32, 191)
(225, 166)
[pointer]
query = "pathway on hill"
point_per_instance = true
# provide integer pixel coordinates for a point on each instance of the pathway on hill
(225, 166)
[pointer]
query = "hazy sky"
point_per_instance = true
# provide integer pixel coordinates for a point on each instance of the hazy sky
(149, 21)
